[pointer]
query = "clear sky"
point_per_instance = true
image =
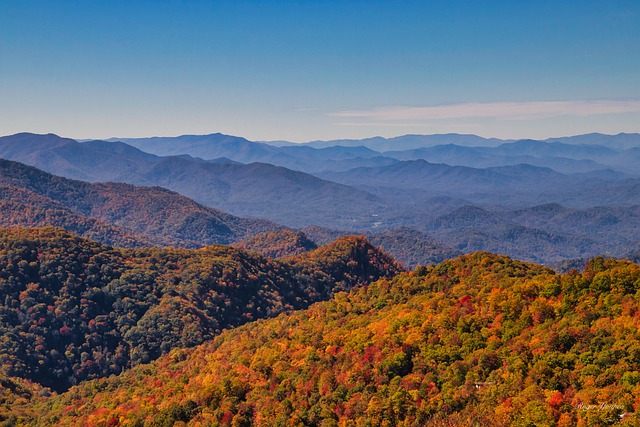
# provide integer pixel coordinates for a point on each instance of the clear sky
(305, 70)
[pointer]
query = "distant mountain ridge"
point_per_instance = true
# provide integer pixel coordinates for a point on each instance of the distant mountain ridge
(620, 141)
(207, 147)
(581, 153)
(298, 157)
(407, 142)
(483, 157)
(412, 141)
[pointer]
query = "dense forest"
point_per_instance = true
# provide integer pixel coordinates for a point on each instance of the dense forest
(73, 309)
(478, 340)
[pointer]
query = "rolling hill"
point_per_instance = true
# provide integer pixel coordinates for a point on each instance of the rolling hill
(24, 208)
(116, 213)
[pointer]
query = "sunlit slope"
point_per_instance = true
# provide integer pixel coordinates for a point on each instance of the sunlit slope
(478, 340)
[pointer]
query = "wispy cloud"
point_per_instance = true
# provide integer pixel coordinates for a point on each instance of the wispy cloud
(496, 110)
(390, 124)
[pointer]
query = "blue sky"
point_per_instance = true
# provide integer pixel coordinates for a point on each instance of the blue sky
(305, 70)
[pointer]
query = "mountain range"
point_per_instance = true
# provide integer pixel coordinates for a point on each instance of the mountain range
(360, 190)
(583, 153)
(129, 216)
(257, 190)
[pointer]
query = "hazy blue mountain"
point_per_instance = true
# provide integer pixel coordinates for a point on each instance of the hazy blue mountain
(548, 233)
(628, 161)
(373, 193)
(594, 192)
(224, 161)
(100, 161)
(441, 178)
(593, 221)
(69, 158)
(407, 142)
(330, 153)
(207, 147)
(346, 164)
(575, 154)
(620, 141)
(308, 159)
(236, 149)
(451, 154)
(590, 155)
(513, 185)
(578, 154)
(471, 228)
(265, 191)
(124, 150)
(553, 149)
(484, 157)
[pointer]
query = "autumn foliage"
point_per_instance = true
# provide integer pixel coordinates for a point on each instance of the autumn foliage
(478, 340)
(278, 244)
(73, 309)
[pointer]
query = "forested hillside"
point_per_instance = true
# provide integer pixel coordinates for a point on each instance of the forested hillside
(278, 244)
(24, 208)
(481, 340)
(115, 213)
(412, 247)
(73, 309)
